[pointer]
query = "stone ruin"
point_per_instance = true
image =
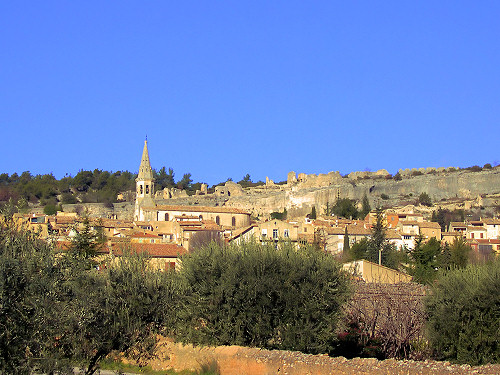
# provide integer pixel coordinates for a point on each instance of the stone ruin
(313, 180)
(230, 189)
(170, 193)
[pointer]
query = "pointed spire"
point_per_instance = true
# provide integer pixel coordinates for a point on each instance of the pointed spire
(145, 171)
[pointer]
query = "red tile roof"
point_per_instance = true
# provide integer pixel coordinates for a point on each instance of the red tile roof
(429, 224)
(154, 250)
(216, 209)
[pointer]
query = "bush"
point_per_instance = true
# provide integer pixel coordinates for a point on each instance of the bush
(56, 313)
(384, 196)
(50, 209)
(424, 199)
(464, 315)
(259, 295)
(475, 168)
(28, 306)
(383, 321)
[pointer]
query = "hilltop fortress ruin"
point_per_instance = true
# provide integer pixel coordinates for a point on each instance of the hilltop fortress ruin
(447, 187)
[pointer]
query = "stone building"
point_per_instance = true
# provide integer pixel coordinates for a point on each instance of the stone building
(144, 185)
(147, 210)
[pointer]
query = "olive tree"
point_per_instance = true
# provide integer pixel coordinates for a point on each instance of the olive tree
(261, 295)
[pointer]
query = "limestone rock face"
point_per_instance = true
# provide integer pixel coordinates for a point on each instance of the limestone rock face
(299, 198)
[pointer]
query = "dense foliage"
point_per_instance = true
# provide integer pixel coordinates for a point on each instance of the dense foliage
(428, 257)
(28, 278)
(464, 314)
(375, 248)
(55, 312)
(259, 295)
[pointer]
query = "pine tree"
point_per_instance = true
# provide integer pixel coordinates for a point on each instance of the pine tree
(377, 240)
(365, 209)
(312, 215)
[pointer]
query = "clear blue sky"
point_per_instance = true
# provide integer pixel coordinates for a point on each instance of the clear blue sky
(225, 88)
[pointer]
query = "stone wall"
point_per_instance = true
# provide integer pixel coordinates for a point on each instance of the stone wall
(299, 198)
(237, 360)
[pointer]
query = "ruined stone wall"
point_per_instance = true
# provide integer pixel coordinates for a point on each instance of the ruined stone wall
(298, 199)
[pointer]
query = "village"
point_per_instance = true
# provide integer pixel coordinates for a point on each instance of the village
(165, 231)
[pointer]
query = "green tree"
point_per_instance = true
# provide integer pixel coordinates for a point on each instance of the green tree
(86, 243)
(424, 260)
(7, 210)
(358, 250)
(185, 182)
(365, 209)
(261, 296)
(279, 215)
(379, 249)
(50, 209)
(83, 180)
(347, 246)
(459, 253)
(345, 208)
(312, 215)
(119, 308)
(464, 315)
(29, 303)
(424, 199)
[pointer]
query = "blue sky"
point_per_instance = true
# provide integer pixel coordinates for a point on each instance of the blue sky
(225, 88)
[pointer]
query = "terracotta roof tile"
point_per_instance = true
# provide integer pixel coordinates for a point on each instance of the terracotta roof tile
(155, 250)
(217, 209)
(429, 224)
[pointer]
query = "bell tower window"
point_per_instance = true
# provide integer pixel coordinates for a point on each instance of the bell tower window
(140, 189)
(147, 189)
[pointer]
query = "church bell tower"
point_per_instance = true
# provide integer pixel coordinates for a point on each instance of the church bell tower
(144, 185)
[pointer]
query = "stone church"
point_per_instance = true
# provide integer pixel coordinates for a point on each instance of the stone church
(147, 209)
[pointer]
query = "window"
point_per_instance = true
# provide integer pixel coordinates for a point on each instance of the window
(275, 234)
(217, 220)
(481, 235)
(233, 221)
(285, 233)
(305, 230)
(166, 217)
(472, 235)
(201, 217)
(264, 232)
(140, 189)
(147, 189)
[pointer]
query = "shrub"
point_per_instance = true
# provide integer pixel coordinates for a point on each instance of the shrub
(464, 314)
(487, 166)
(259, 295)
(416, 173)
(384, 196)
(27, 302)
(475, 168)
(424, 199)
(383, 321)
